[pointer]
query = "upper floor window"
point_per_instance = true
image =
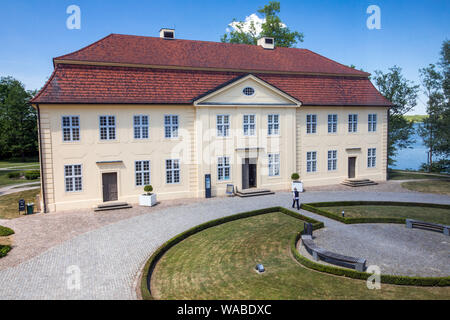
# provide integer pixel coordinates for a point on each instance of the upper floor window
(311, 123)
(71, 128)
(332, 160)
(172, 171)
(371, 157)
(311, 161)
(352, 123)
(107, 127)
(223, 125)
(274, 164)
(372, 121)
(171, 126)
(249, 125)
(332, 123)
(248, 91)
(142, 172)
(273, 124)
(73, 178)
(140, 124)
(223, 168)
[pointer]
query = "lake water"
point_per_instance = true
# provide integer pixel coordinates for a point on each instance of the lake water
(412, 158)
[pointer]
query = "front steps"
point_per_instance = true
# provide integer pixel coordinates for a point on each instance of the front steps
(112, 206)
(358, 182)
(246, 193)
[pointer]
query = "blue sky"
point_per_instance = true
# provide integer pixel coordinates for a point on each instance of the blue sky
(32, 32)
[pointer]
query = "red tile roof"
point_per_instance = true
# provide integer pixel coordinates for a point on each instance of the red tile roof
(108, 84)
(150, 51)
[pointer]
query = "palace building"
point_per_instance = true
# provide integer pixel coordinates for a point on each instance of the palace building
(129, 111)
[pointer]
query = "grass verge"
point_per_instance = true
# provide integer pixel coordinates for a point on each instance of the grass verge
(9, 204)
(432, 186)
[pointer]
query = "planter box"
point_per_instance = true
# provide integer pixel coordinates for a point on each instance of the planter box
(298, 185)
(147, 200)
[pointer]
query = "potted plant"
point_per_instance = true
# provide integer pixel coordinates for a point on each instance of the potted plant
(147, 199)
(296, 183)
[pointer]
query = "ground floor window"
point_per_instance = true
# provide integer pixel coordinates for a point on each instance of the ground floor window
(142, 172)
(332, 160)
(173, 171)
(274, 164)
(311, 161)
(73, 178)
(371, 157)
(223, 168)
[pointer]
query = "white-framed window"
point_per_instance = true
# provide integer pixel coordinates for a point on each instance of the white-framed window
(332, 160)
(73, 178)
(371, 157)
(171, 126)
(142, 172)
(107, 127)
(273, 122)
(172, 171)
(332, 123)
(71, 128)
(140, 125)
(372, 121)
(274, 164)
(249, 124)
(311, 161)
(223, 125)
(248, 91)
(311, 123)
(352, 123)
(223, 168)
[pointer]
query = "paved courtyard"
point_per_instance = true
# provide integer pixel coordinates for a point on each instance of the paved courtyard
(110, 257)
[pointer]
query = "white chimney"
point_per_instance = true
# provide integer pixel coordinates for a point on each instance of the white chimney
(267, 43)
(166, 33)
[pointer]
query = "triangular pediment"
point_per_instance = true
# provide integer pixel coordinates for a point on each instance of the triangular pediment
(233, 94)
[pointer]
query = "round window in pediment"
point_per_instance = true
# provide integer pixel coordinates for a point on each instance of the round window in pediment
(248, 91)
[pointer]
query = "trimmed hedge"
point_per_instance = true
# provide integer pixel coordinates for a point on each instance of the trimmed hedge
(4, 250)
(4, 231)
(349, 273)
(14, 175)
(151, 263)
(32, 174)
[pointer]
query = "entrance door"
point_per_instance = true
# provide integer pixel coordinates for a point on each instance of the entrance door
(351, 167)
(109, 187)
(249, 173)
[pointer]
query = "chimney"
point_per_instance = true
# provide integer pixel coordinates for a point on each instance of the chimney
(267, 43)
(166, 33)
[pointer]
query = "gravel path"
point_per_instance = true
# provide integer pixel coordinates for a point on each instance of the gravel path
(110, 257)
(18, 188)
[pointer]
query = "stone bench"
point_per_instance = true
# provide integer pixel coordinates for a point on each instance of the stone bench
(359, 264)
(428, 226)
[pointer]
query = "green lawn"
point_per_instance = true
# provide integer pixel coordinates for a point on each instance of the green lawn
(218, 263)
(419, 213)
(6, 181)
(30, 163)
(411, 175)
(9, 204)
(432, 186)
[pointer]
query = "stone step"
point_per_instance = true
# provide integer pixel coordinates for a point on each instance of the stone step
(358, 182)
(253, 193)
(112, 206)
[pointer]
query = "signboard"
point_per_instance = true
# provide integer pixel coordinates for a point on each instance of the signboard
(21, 205)
(207, 186)
(230, 189)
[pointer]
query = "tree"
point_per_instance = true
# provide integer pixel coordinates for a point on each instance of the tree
(403, 94)
(248, 33)
(18, 120)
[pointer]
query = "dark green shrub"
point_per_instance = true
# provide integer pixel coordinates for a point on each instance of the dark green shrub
(14, 175)
(32, 174)
(4, 250)
(148, 189)
(4, 231)
(295, 176)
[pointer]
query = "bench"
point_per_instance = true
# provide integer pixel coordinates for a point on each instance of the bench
(427, 226)
(359, 264)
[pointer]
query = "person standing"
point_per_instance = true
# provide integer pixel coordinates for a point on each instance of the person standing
(296, 196)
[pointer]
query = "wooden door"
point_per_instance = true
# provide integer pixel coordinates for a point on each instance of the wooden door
(351, 167)
(110, 187)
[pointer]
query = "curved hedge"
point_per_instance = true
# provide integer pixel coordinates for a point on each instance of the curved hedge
(153, 260)
(315, 208)
(4, 231)
(4, 250)
(385, 278)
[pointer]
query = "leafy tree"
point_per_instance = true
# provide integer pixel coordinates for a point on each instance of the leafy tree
(271, 27)
(403, 94)
(18, 120)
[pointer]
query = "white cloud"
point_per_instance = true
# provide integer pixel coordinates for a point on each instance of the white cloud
(257, 21)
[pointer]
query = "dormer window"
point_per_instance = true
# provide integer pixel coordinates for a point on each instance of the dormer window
(248, 91)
